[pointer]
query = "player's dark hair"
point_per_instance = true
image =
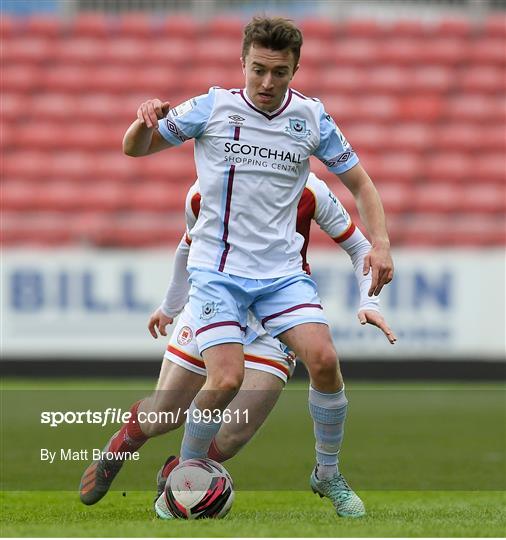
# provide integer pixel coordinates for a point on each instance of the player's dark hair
(275, 33)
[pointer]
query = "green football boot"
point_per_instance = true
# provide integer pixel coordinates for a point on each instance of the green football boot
(346, 502)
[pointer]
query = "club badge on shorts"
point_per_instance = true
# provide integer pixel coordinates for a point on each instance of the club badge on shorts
(209, 310)
(185, 335)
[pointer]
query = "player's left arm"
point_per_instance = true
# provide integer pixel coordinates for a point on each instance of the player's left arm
(379, 259)
(340, 158)
(335, 221)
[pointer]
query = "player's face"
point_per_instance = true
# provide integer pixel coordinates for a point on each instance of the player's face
(268, 74)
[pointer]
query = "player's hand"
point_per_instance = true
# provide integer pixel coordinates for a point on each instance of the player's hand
(369, 316)
(380, 262)
(159, 321)
(151, 111)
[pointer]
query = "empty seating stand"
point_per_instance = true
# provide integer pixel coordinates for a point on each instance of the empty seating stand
(423, 104)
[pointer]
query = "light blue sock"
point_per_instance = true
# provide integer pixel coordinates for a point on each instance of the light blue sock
(328, 412)
(197, 434)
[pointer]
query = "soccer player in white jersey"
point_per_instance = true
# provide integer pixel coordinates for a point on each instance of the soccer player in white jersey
(252, 149)
(267, 363)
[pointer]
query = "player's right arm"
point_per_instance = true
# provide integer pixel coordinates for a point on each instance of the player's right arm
(158, 127)
(142, 137)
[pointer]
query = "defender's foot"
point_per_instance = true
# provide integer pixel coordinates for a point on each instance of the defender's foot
(346, 502)
(160, 506)
(98, 477)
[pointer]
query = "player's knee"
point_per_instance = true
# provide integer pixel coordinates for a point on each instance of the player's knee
(323, 363)
(227, 382)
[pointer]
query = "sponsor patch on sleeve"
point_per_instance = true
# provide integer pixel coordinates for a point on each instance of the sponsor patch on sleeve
(184, 107)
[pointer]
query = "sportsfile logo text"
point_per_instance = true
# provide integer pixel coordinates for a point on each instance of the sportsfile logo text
(112, 415)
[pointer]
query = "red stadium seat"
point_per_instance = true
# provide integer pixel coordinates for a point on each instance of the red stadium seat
(9, 26)
(67, 79)
(90, 24)
(127, 50)
(394, 167)
(407, 28)
(487, 79)
(414, 137)
(436, 198)
(103, 196)
(39, 135)
(115, 167)
(39, 229)
(369, 137)
(159, 197)
(368, 28)
(380, 108)
(490, 166)
(387, 79)
(484, 198)
(343, 79)
(135, 24)
(351, 52)
(421, 108)
(454, 27)
(225, 27)
(317, 29)
(495, 25)
(399, 50)
(170, 167)
(11, 105)
(449, 51)
(457, 137)
(433, 229)
(103, 107)
(172, 51)
(78, 50)
(48, 26)
(396, 197)
(26, 164)
(25, 49)
(70, 165)
(218, 53)
(181, 26)
(475, 107)
(449, 167)
(488, 51)
(20, 79)
(433, 79)
(51, 107)
(315, 54)
(17, 195)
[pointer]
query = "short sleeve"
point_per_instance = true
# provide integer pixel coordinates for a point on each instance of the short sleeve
(334, 150)
(330, 214)
(188, 120)
(192, 209)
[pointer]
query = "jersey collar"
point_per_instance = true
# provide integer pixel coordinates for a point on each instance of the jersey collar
(277, 112)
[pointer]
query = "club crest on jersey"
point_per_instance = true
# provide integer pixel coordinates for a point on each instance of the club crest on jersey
(185, 335)
(297, 128)
(209, 310)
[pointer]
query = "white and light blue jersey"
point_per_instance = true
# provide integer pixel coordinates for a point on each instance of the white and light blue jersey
(252, 168)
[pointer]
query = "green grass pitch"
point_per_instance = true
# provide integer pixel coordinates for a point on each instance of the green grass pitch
(428, 460)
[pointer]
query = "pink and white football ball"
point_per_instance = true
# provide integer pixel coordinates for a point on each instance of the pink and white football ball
(199, 488)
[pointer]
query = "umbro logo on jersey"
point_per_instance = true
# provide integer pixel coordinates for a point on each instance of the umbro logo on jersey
(236, 120)
(297, 128)
(342, 158)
